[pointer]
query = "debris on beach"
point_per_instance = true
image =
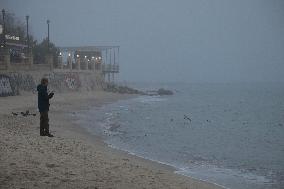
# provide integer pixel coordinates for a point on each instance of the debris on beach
(15, 114)
(25, 114)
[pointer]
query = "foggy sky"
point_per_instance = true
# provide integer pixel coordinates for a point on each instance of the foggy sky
(166, 40)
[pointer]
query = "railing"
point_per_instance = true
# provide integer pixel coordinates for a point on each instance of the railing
(110, 68)
(25, 63)
(41, 67)
(28, 63)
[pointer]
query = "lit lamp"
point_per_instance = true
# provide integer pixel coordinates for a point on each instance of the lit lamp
(92, 63)
(99, 63)
(69, 61)
(60, 60)
(78, 62)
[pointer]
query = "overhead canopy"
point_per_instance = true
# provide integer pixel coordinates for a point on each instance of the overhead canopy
(88, 48)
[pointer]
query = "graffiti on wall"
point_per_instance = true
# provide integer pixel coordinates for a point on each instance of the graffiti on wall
(5, 86)
(72, 81)
(23, 82)
(55, 81)
(13, 83)
(63, 81)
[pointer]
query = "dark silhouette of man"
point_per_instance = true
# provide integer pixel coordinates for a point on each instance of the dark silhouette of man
(43, 107)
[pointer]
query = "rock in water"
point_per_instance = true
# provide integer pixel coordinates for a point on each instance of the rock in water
(162, 91)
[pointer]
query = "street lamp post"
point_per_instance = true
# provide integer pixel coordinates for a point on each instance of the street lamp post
(48, 34)
(28, 38)
(4, 28)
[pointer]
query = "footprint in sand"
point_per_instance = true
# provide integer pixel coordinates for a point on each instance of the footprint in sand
(51, 165)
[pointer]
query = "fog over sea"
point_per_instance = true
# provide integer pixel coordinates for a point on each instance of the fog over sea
(229, 134)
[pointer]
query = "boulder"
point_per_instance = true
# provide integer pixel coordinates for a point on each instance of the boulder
(162, 91)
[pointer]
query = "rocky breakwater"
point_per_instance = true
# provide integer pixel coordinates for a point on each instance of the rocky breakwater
(162, 91)
(128, 90)
(122, 89)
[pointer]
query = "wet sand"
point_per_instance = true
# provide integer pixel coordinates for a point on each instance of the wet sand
(73, 158)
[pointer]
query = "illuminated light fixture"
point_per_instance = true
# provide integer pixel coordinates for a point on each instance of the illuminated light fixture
(88, 60)
(78, 56)
(100, 58)
(93, 57)
(96, 58)
(60, 54)
(85, 56)
(69, 54)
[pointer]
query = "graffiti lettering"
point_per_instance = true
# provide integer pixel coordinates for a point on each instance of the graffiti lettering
(5, 86)
(72, 81)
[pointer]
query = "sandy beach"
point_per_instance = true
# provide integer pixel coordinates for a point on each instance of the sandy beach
(73, 158)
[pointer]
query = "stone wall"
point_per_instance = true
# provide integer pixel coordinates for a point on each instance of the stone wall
(13, 83)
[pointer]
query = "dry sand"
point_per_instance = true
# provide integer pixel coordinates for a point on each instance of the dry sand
(73, 158)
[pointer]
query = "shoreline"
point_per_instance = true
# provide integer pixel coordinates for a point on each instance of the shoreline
(74, 158)
(156, 163)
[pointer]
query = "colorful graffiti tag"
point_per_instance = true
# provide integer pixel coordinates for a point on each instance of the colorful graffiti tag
(5, 86)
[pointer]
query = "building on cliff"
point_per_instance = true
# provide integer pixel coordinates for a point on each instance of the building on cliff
(76, 68)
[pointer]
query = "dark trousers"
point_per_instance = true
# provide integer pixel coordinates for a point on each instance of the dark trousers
(44, 123)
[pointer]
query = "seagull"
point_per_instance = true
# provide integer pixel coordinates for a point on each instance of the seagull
(186, 117)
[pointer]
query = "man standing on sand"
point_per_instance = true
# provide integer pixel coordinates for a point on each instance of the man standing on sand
(43, 107)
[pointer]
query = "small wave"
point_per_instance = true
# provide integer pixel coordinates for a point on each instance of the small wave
(221, 175)
(108, 114)
(180, 171)
(150, 99)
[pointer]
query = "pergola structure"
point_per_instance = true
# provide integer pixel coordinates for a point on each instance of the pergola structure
(100, 58)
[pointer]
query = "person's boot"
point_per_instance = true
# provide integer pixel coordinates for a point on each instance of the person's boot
(42, 133)
(49, 135)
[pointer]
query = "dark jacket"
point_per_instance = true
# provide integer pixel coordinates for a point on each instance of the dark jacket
(43, 98)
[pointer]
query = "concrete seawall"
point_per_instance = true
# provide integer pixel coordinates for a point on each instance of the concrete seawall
(13, 83)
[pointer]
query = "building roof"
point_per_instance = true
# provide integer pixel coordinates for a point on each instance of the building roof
(16, 45)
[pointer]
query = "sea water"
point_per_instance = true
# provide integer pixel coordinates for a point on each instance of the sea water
(228, 134)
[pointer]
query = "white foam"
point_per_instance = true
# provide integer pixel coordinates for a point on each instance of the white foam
(150, 99)
(181, 171)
